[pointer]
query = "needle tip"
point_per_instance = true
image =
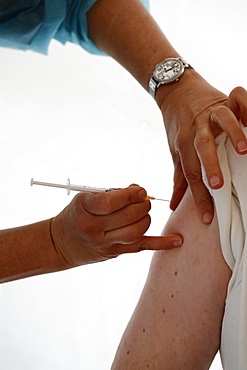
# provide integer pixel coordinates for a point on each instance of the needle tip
(148, 197)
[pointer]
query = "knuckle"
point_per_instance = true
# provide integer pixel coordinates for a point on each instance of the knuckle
(137, 211)
(131, 213)
(180, 139)
(239, 90)
(137, 231)
(222, 109)
(201, 140)
(143, 246)
(105, 203)
(92, 229)
(88, 226)
(134, 235)
(218, 111)
(193, 177)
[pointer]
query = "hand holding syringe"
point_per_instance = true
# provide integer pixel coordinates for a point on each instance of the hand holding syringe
(96, 227)
(85, 189)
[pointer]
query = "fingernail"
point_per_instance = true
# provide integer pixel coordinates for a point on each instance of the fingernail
(142, 194)
(214, 181)
(207, 217)
(177, 243)
(242, 146)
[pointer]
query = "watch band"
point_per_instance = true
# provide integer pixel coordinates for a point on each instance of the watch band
(153, 84)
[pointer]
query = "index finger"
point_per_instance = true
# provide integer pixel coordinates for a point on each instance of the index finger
(151, 243)
(109, 202)
(227, 121)
(193, 174)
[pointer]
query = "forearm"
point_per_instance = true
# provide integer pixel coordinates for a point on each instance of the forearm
(27, 251)
(125, 30)
(92, 228)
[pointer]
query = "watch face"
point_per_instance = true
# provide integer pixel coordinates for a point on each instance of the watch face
(169, 70)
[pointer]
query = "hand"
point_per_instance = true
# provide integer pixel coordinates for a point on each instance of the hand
(96, 227)
(194, 114)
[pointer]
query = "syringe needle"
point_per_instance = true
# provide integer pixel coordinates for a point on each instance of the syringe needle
(84, 189)
(149, 197)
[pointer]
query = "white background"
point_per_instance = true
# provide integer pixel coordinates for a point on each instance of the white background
(75, 115)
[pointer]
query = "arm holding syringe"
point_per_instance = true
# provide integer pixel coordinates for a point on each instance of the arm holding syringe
(92, 228)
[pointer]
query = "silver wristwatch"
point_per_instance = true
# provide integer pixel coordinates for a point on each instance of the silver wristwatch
(166, 72)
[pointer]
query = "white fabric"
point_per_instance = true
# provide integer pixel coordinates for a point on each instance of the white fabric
(231, 207)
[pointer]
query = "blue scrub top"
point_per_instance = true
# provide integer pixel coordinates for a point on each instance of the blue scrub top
(32, 24)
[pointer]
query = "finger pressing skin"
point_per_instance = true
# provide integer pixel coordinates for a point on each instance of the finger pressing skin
(109, 202)
(227, 121)
(148, 243)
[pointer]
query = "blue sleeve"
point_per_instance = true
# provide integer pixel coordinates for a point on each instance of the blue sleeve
(74, 26)
(32, 24)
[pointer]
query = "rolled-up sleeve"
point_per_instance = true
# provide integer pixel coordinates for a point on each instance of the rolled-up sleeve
(74, 26)
(32, 24)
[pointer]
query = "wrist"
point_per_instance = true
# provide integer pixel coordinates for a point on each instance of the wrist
(185, 100)
(167, 72)
(59, 243)
(181, 87)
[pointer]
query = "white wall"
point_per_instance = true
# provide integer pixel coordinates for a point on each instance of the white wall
(75, 115)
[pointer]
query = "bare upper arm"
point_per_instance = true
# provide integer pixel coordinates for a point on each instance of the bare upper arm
(177, 322)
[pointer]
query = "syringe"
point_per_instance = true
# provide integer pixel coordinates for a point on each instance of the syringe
(84, 189)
